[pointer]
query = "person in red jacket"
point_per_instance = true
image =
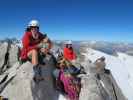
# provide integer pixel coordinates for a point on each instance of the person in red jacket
(31, 40)
(68, 51)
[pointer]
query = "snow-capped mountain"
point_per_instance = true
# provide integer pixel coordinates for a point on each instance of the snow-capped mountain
(109, 47)
(121, 68)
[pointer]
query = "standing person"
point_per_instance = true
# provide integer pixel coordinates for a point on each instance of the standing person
(68, 51)
(31, 41)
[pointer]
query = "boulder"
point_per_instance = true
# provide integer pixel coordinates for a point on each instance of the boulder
(13, 55)
(22, 86)
(8, 76)
(97, 85)
(3, 55)
(2, 78)
(90, 89)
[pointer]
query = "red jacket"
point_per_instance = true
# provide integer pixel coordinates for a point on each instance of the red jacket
(69, 54)
(29, 43)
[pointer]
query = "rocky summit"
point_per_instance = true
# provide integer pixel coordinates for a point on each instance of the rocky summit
(16, 79)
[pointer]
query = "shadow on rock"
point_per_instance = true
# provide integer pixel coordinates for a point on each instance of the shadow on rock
(45, 90)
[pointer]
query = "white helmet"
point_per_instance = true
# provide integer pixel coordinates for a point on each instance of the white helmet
(68, 42)
(33, 23)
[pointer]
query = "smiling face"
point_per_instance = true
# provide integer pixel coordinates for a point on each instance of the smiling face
(34, 31)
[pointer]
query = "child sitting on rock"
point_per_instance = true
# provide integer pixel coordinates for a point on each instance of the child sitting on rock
(45, 46)
(71, 84)
(67, 79)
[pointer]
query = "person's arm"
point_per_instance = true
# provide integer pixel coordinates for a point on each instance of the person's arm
(65, 53)
(74, 55)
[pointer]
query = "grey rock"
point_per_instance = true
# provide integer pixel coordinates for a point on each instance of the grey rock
(94, 88)
(13, 54)
(90, 90)
(22, 86)
(10, 74)
(2, 78)
(19, 87)
(3, 55)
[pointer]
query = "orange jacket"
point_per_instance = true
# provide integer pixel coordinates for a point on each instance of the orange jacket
(69, 54)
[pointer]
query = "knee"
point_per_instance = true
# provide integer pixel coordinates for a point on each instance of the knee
(33, 52)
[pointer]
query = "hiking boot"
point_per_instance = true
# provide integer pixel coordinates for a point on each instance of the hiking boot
(37, 74)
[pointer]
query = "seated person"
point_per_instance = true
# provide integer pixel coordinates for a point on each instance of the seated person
(69, 52)
(31, 39)
(45, 46)
(70, 83)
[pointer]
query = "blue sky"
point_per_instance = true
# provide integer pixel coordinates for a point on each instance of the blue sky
(108, 20)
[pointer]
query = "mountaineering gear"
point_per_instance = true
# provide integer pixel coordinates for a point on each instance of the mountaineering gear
(69, 54)
(37, 73)
(68, 42)
(29, 43)
(33, 23)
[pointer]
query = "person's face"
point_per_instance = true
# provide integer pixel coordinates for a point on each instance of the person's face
(62, 64)
(34, 30)
(69, 45)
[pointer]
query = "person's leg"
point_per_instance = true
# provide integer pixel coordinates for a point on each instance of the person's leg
(33, 55)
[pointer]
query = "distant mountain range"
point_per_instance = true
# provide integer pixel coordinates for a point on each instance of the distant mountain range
(107, 47)
(110, 47)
